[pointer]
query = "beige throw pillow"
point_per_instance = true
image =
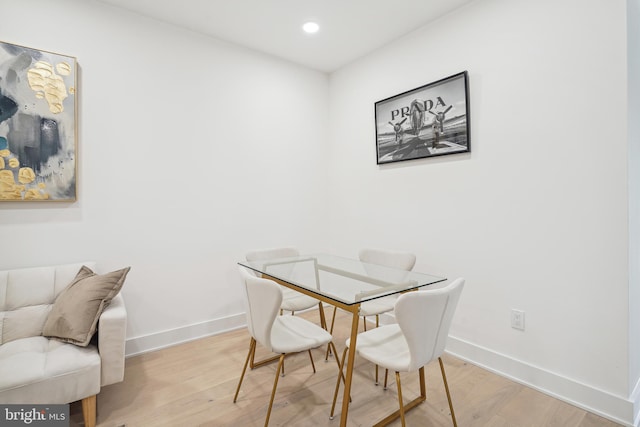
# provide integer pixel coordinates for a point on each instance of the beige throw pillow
(75, 313)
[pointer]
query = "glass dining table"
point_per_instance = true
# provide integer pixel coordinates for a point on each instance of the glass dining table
(344, 283)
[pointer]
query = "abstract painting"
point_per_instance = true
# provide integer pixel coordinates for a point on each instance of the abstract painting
(432, 120)
(37, 125)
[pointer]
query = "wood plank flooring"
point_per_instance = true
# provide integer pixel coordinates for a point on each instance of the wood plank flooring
(192, 384)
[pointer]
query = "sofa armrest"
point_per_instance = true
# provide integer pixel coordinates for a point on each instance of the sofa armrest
(112, 333)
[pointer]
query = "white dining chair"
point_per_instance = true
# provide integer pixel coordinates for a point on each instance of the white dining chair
(424, 318)
(400, 260)
(283, 335)
(291, 300)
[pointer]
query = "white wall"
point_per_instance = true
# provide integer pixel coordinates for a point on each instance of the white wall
(633, 58)
(191, 151)
(536, 216)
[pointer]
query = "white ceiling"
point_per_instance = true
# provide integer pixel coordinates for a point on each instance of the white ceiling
(349, 29)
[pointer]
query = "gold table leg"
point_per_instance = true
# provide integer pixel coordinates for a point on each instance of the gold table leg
(349, 374)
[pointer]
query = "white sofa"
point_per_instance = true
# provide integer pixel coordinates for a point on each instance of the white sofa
(38, 370)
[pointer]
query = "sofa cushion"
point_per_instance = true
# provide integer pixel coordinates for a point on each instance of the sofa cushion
(38, 370)
(75, 313)
(28, 287)
(26, 296)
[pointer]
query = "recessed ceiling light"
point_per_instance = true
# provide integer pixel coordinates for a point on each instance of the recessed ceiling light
(311, 27)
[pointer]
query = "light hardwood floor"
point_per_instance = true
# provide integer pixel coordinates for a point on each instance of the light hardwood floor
(192, 384)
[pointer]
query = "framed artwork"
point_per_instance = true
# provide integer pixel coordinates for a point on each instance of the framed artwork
(432, 120)
(38, 133)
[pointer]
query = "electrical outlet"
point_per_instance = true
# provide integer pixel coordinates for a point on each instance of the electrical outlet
(517, 319)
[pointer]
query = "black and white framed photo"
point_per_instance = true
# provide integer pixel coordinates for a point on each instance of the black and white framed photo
(431, 120)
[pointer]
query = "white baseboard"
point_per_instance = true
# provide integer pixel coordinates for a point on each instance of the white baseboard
(615, 408)
(156, 341)
(635, 399)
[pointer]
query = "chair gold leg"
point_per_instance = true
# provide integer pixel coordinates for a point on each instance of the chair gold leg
(386, 376)
(377, 324)
(404, 408)
(312, 364)
(327, 352)
(446, 387)
(364, 323)
(400, 398)
(341, 376)
(273, 392)
(252, 349)
(89, 411)
(253, 364)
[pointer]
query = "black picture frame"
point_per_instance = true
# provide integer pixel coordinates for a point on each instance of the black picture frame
(428, 121)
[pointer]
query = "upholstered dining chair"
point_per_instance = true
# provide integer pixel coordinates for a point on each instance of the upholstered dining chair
(283, 335)
(291, 300)
(400, 260)
(424, 318)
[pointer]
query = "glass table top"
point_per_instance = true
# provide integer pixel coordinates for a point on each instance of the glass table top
(346, 280)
